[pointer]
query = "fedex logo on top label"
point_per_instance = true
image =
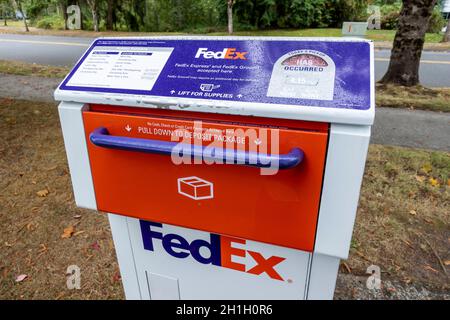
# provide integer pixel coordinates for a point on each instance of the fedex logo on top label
(227, 53)
(220, 250)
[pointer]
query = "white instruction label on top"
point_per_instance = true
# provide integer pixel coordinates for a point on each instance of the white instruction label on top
(135, 68)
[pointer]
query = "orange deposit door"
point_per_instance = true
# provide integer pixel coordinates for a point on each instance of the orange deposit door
(229, 199)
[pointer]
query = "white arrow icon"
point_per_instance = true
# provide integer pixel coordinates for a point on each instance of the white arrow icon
(128, 128)
(239, 95)
(257, 142)
(172, 92)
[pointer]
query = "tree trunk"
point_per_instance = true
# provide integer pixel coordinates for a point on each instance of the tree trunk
(94, 9)
(446, 37)
(4, 13)
(230, 15)
(81, 15)
(63, 7)
(95, 20)
(23, 17)
(109, 17)
(408, 42)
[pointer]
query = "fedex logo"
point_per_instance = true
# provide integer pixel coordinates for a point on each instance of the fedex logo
(227, 53)
(220, 248)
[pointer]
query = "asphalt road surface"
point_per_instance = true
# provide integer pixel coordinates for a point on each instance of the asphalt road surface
(65, 51)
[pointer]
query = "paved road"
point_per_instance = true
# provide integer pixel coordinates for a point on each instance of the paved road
(412, 128)
(65, 51)
(401, 127)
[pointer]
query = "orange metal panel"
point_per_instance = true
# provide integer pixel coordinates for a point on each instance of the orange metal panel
(281, 209)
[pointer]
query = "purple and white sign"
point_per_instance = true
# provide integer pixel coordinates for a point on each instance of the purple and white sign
(327, 74)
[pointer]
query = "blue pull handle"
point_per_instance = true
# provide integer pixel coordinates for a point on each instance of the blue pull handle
(100, 137)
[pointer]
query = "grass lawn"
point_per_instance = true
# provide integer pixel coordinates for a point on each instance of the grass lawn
(375, 35)
(402, 223)
(418, 97)
(32, 69)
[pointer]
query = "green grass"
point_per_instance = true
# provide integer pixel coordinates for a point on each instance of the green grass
(376, 35)
(404, 200)
(417, 97)
(31, 69)
(12, 23)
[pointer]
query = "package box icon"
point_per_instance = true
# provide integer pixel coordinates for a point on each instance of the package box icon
(195, 188)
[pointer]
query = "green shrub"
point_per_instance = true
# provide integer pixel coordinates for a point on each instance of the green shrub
(437, 22)
(50, 22)
(390, 14)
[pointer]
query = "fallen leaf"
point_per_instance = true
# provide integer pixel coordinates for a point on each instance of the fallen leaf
(21, 277)
(448, 182)
(434, 182)
(412, 212)
(420, 178)
(117, 277)
(78, 216)
(427, 267)
(78, 232)
(68, 232)
(427, 167)
(347, 267)
(42, 193)
(95, 246)
(447, 262)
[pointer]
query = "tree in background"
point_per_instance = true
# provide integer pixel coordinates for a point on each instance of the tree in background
(93, 5)
(200, 16)
(408, 42)
(4, 11)
(17, 4)
(257, 14)
(230, 4)
(62, 5)
(446, 37)
(110, 16)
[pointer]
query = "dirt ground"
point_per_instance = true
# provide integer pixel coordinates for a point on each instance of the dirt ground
(402, 224)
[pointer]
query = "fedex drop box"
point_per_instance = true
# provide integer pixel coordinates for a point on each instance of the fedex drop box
(229, 167)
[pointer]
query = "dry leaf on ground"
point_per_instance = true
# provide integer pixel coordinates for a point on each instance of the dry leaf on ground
(420, 178)
(42, 193)
(434, 182)
(68, 232)
(427, 167)
(21, 277)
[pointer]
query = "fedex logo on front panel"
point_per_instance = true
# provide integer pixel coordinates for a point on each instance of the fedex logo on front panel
(220, 250)
(227, 53)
